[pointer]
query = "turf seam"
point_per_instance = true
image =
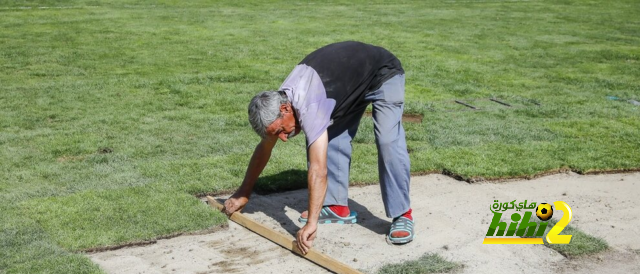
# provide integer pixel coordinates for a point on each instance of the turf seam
(565, 170)
(153, 240)
(446, 172)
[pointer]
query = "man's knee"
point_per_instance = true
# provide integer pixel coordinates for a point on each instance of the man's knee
(387, 142)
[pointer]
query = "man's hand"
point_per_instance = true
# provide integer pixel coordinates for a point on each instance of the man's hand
(235, 203)
(305, 237)
(317, 178)
(261, 155)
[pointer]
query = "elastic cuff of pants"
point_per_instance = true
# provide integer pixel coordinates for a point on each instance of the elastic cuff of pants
(404, 210)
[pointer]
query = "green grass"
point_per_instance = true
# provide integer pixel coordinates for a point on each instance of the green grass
(428, 263)
(581, 243)
(114, 113)
(99, 218)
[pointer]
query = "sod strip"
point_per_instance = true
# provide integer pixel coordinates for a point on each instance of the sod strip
(428, 263)
(581, 243)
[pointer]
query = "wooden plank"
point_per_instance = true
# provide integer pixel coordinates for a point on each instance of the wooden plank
(286, 241)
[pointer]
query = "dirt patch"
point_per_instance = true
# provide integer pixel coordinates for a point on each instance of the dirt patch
(152, 241)
(451, 220)
(406, 117)
(105, 150)
(608, 262)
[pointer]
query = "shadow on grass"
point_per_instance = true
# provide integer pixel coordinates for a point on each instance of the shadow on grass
(292, 179)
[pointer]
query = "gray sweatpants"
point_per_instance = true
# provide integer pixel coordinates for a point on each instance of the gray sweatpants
(393, 158)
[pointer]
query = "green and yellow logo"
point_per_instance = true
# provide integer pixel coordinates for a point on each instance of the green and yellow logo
(521, 226)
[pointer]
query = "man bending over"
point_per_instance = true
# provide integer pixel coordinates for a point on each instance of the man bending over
(325, 96)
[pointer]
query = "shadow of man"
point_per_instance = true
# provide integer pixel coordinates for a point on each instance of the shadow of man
(275, 205)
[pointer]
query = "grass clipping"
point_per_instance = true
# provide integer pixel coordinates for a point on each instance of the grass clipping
(428, 263)
(581, 243)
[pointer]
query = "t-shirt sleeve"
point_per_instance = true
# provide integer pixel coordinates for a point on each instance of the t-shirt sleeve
(317, 119)
(309, 99)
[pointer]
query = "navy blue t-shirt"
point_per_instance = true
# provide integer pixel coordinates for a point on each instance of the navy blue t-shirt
(349, 70)
(330, 83)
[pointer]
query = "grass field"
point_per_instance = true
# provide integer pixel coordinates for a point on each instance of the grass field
(113, 114)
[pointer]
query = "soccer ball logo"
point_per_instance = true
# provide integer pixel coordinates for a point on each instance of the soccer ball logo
(544, 211)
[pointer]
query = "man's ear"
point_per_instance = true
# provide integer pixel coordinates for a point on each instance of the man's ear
(285, 108)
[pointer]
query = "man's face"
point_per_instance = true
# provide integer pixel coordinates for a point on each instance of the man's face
(285, 126)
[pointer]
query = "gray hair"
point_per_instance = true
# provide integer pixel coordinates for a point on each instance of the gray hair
(264, 109)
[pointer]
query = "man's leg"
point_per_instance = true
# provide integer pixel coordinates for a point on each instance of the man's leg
(341, 133)
(393, 158)
(338, 164)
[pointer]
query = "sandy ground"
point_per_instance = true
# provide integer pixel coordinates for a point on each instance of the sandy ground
(451, 219)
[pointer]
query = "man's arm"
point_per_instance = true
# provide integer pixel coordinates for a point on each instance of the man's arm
(317, 178)
(259, 160)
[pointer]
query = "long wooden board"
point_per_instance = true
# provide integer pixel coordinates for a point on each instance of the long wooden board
(286, 241)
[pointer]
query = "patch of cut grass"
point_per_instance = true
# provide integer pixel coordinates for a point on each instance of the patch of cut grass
(26, 248)
(101, 218)
(428, 263)
(61, 264)
(581, 243)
